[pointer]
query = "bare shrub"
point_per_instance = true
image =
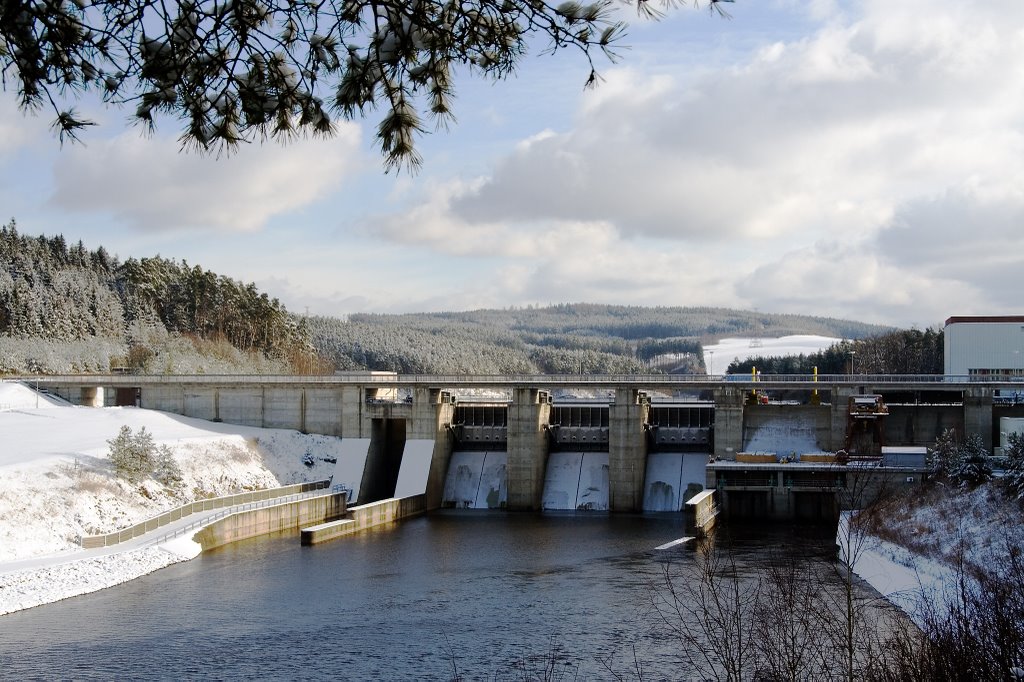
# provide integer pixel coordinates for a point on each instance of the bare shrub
(711, 609)
(787, 622)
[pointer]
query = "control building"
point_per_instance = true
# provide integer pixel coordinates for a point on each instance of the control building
(983, 347)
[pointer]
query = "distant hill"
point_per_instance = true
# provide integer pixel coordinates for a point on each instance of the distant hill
(64, 308)
(567, 338)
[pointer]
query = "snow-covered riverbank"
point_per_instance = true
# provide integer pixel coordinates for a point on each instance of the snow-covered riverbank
(57, 484)
(916, 542)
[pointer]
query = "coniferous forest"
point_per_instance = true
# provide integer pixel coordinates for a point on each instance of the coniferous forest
(65, 308)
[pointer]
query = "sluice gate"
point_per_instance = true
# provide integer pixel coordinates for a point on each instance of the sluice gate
(477, 473)
(680, 442)
(577, 472)
(576, 481)
(672, 478)
(477, 480)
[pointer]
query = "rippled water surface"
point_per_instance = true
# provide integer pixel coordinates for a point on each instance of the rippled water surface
(485, 595)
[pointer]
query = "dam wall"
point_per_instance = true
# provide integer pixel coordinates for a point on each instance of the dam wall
(401, 438)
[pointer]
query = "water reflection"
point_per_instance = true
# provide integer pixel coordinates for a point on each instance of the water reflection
(476, 592)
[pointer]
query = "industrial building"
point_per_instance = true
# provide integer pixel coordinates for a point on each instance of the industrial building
(984, 347)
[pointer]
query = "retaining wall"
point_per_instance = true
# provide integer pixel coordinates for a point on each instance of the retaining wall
(365, 516)
(285, 516)
(155, 522)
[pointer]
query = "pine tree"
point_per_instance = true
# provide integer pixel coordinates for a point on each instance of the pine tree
(1013, 478)
(945, 454)
(166, 470)
(132, 454)
(974, 465)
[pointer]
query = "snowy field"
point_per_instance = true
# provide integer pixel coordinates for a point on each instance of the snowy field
(718, 356)
(57, 483)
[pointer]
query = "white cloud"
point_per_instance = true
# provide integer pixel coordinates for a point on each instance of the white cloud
(19, 129)
(812, 173)
(860, 113)
(851, 281)
(150, 184)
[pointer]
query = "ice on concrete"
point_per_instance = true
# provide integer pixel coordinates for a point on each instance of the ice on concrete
(477, 480)
(791, 434)
(669, 476)
(576, 480)
(348, 470)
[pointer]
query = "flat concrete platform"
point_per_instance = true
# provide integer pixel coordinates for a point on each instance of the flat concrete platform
(325, 532)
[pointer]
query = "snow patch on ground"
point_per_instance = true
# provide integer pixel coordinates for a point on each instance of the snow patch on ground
(57, 484)
(718, 356)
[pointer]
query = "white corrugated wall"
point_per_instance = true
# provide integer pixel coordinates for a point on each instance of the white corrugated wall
(983, 345)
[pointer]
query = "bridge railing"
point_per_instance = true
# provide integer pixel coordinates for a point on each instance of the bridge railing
(272, 495)
(529, 380)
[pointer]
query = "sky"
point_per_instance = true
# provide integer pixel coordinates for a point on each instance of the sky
(857, 159)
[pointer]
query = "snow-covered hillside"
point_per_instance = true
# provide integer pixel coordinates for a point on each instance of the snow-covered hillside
(57, 482)
(917, 540)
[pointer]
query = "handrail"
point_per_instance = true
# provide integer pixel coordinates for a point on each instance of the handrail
(206, 520)
(532, 380)
(178, 513)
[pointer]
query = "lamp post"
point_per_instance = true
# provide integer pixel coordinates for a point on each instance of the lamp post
(852, 354)
(711, 363)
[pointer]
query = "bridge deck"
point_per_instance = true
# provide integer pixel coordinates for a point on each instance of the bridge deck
(587, 381)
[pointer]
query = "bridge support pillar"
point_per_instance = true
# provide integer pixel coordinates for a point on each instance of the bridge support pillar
(840, 415)
(978, 414)
(432, 411)
(627, 450)
(92, 396)
(352, 411)
(728, 421)
(528, 414)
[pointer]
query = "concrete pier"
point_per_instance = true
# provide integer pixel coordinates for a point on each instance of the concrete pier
(978, 414)
(527, 447)
(728, 421)
(627, 450)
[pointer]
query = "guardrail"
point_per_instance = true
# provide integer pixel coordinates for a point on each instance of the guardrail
(530, 380)
(257, 497)
(754, 482)
(228, 511)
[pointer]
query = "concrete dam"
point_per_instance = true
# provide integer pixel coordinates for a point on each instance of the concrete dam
(645, 443)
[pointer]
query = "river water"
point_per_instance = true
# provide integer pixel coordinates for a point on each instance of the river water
(484, 595)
